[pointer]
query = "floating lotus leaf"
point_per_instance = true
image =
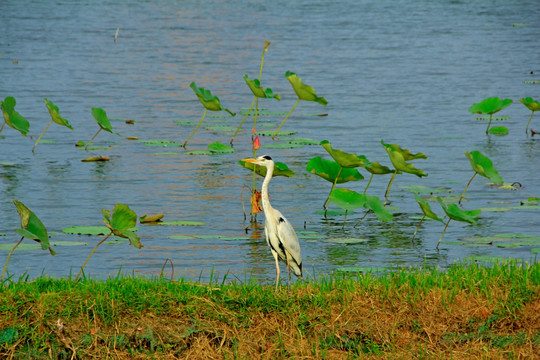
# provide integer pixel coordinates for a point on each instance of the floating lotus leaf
(454, 212)
(55, 114)
(280, 169)
(87, 230)
(103, 121)
(399, 158)
(122, 219)
(489, 106)
(96, 158)
(531, 104)
(32, 227)
(345, 159)
(483, 166)
(219, 148)
(209, 101)
(499, 131)
(346, 241)
(12, 117)
(258, 91)
(349, 200)
(426, 209)
(303, 91)
(330, 171)
(150, 218)
(303, 141)
(286, 145)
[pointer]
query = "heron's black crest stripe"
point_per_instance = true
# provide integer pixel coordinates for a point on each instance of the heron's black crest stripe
(267, 157)
(281, 219)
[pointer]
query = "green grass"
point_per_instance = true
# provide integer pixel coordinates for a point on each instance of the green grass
(417, 313)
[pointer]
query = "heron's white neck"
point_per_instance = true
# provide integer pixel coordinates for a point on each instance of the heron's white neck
(264, 190)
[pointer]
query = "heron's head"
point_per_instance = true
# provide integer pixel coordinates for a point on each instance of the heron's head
(264, 160)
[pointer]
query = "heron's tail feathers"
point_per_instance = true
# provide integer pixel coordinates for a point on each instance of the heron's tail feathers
(296, 268)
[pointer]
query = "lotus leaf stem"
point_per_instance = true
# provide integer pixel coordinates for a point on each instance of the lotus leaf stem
(199, 124)
(362, 218)
(325, 205)
(39, 138)
(466, 187)
(2, 128)
(86, 147)
(489, 124)
(448, 222)
(526, 129)
(286, 117)
(369, 182)
(89, 256)
(172, 268)
(9, 255)
(417, 227)
(389, 187)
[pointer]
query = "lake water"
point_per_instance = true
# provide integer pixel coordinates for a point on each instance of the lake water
(405, 72)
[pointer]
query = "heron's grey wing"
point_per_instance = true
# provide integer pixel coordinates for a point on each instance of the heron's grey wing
(290, 242)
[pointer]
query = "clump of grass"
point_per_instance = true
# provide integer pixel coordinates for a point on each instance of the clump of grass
(482, 312)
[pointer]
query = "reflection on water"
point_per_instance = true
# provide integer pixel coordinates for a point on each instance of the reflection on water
(404, 72)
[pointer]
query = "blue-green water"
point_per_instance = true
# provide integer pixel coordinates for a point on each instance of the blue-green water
(405, 72)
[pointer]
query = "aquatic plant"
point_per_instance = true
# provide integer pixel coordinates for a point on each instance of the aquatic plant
(454, 212)
(333, 172)
(104, 124)
(532, 105)
(399, 158)
(426, 209)
(344, 159)
(12, 117)
(483, 166)
(55, 117)
(350, 200)
(259, 92)
(119, 223)
(489, 107)
(209, 101)
(303, 92)
(31, 228)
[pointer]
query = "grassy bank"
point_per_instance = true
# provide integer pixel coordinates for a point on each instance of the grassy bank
(466, 312)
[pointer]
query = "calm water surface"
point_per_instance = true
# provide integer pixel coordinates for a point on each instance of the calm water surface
(402, 71)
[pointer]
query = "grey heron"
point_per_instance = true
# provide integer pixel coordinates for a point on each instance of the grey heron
(279, 233)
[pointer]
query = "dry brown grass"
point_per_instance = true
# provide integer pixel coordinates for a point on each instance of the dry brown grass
(378, 321)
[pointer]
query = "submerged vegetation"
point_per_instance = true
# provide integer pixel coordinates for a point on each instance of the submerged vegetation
(468, 311)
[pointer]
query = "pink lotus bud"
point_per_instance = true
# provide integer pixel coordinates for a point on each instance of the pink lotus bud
(256, 143)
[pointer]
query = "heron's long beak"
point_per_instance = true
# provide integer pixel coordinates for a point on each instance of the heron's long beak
(250, 160)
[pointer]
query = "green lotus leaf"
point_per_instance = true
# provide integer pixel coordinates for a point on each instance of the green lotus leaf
(399, 158)
(258, 91)
(32, 227)
(426, 209)
(103, 121)
(303, 91)
(489, 106)
(350, 200)
(219, 148)
(209, 101)
(483, 166)
(55, 114)
(377, 169)
(454, 212)
(330, 170)
(531, 104)
(345, 159)
(12, 117)
(123, 218)
(280, 169)
(499, 131)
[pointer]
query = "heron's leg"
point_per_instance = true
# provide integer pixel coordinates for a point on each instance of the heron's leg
(277, 268)
(288, 276)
